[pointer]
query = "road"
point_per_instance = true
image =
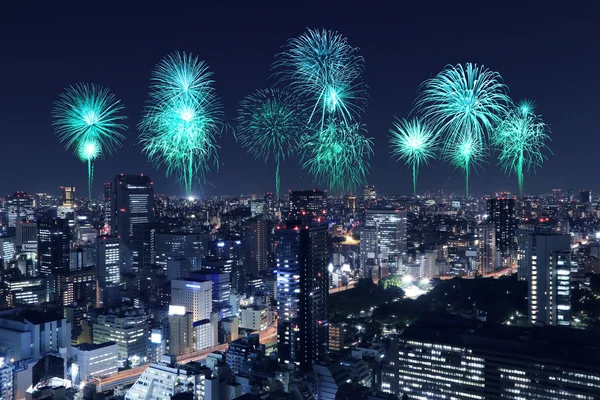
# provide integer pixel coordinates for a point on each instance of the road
(348, 287)
(129, 376)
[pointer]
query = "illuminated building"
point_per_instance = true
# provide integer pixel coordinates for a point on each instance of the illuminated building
(549, 279)
(307, 203)
(108, 253)
(226, 257)
(255, 318)
(181, 334)
(25, 291)
(501, 212)
(187, 249)
(370, 195)
(20, 207)
(448, 357)
(486, 248)
(54, 236)
(302, 290)
(221, 290)
(108, 211)
(68, 196)
(6, 380)
(128, 327)
(256, 232)
(132, 202)
(195, 296)
(26, 237)
(383, 239)
(94, 360)
(336, 337)
(7, 250)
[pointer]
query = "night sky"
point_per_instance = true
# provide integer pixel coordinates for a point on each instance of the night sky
(546, 52)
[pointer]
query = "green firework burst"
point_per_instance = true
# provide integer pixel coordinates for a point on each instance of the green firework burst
(338, 156)
(414, 142)
(88, 119)
(521, 139)
(270, 123)
(467, 153)
(180, 125)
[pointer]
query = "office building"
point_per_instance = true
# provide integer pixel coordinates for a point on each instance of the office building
(54, 236)
(19, 207)
(188, 249)
(132, 203)
(195, 296)
(108, 210)
(429, 260)
(7, 250)
(255, 318)
(68, 196)
(383, 239)
(227, 257)
(336, 337)
(94, 360)
(501, 211)
(256, 243)
(239, 351)
(370, 195)
(26, 334)
(181, 333)
(25, 291)
(75, 287)
(449, 357)
(585, 196)
(206, 333)
(128, 327)
(486, 248)
(221, 290)
(549, 279)
(302, 290)
(7, 390)
(142, 245)
(26, 237)
(108, 255)
(307, 204)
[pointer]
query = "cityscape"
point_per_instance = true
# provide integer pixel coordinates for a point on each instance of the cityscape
(297, 234)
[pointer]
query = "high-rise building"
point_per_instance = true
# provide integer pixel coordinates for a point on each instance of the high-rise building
(54, 236)
(132, 203)
(128, 327)
(108, 210)
(256, 243)
(195, 296)
(26, 237)
(383, 239)
(68, 196)
(181, 334)
(221, 290)
(94, 360)
(302, 290)
(20, 207)
(585, 196)
(189, 248)
(486, 248)
(227, 256)
(549, 279)
(108, 253)
(501, 212)
(142, 245)
(453, 358)
(430, 269)
(311, 204)
(7, 389)
(370, 195)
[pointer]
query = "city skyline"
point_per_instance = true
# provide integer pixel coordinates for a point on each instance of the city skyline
(532, 57)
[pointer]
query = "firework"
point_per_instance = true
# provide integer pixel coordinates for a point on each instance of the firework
(337, 156)
(88, 119)
(463, 104)
(521, 138)
(180, 125)
(323, 68)
(270, 123)
(414, 142)
(467, 153)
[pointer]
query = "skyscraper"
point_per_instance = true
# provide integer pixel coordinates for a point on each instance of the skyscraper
(549, 279)
(108, 210)
(256, 243)
(195, 296)
(108, 255)
(502, 213)
(307, 203)
(54, 237)
(302, 289)
(383, 239)
(20, 206)
(68, 196)
(486, 248)
(131, 203)
(181, 334)
(26, 237)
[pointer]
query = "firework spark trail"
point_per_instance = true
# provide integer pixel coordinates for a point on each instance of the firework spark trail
(464, 104)
(338, 156)
(88, 119)
(270, 123)
(520, 138)
(180, 125)
(414, 142)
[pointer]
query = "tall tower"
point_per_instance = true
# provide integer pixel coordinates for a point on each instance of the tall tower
(502, 213)
(302, 290)
(486, 248)
(54, 235)
(108, 210)
(132, 202)
(549, 278)
(256, 244)
(383, 240)
(307, 203)
(108, 255)
(68, 196)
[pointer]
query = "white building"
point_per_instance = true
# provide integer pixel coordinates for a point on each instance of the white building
(195, 296)
(108, 253)
(127, 327)
(6, 381)
(206, 333)
(94, 360)
(255, 318)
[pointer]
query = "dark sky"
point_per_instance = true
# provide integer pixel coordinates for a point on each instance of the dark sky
(546, 50)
